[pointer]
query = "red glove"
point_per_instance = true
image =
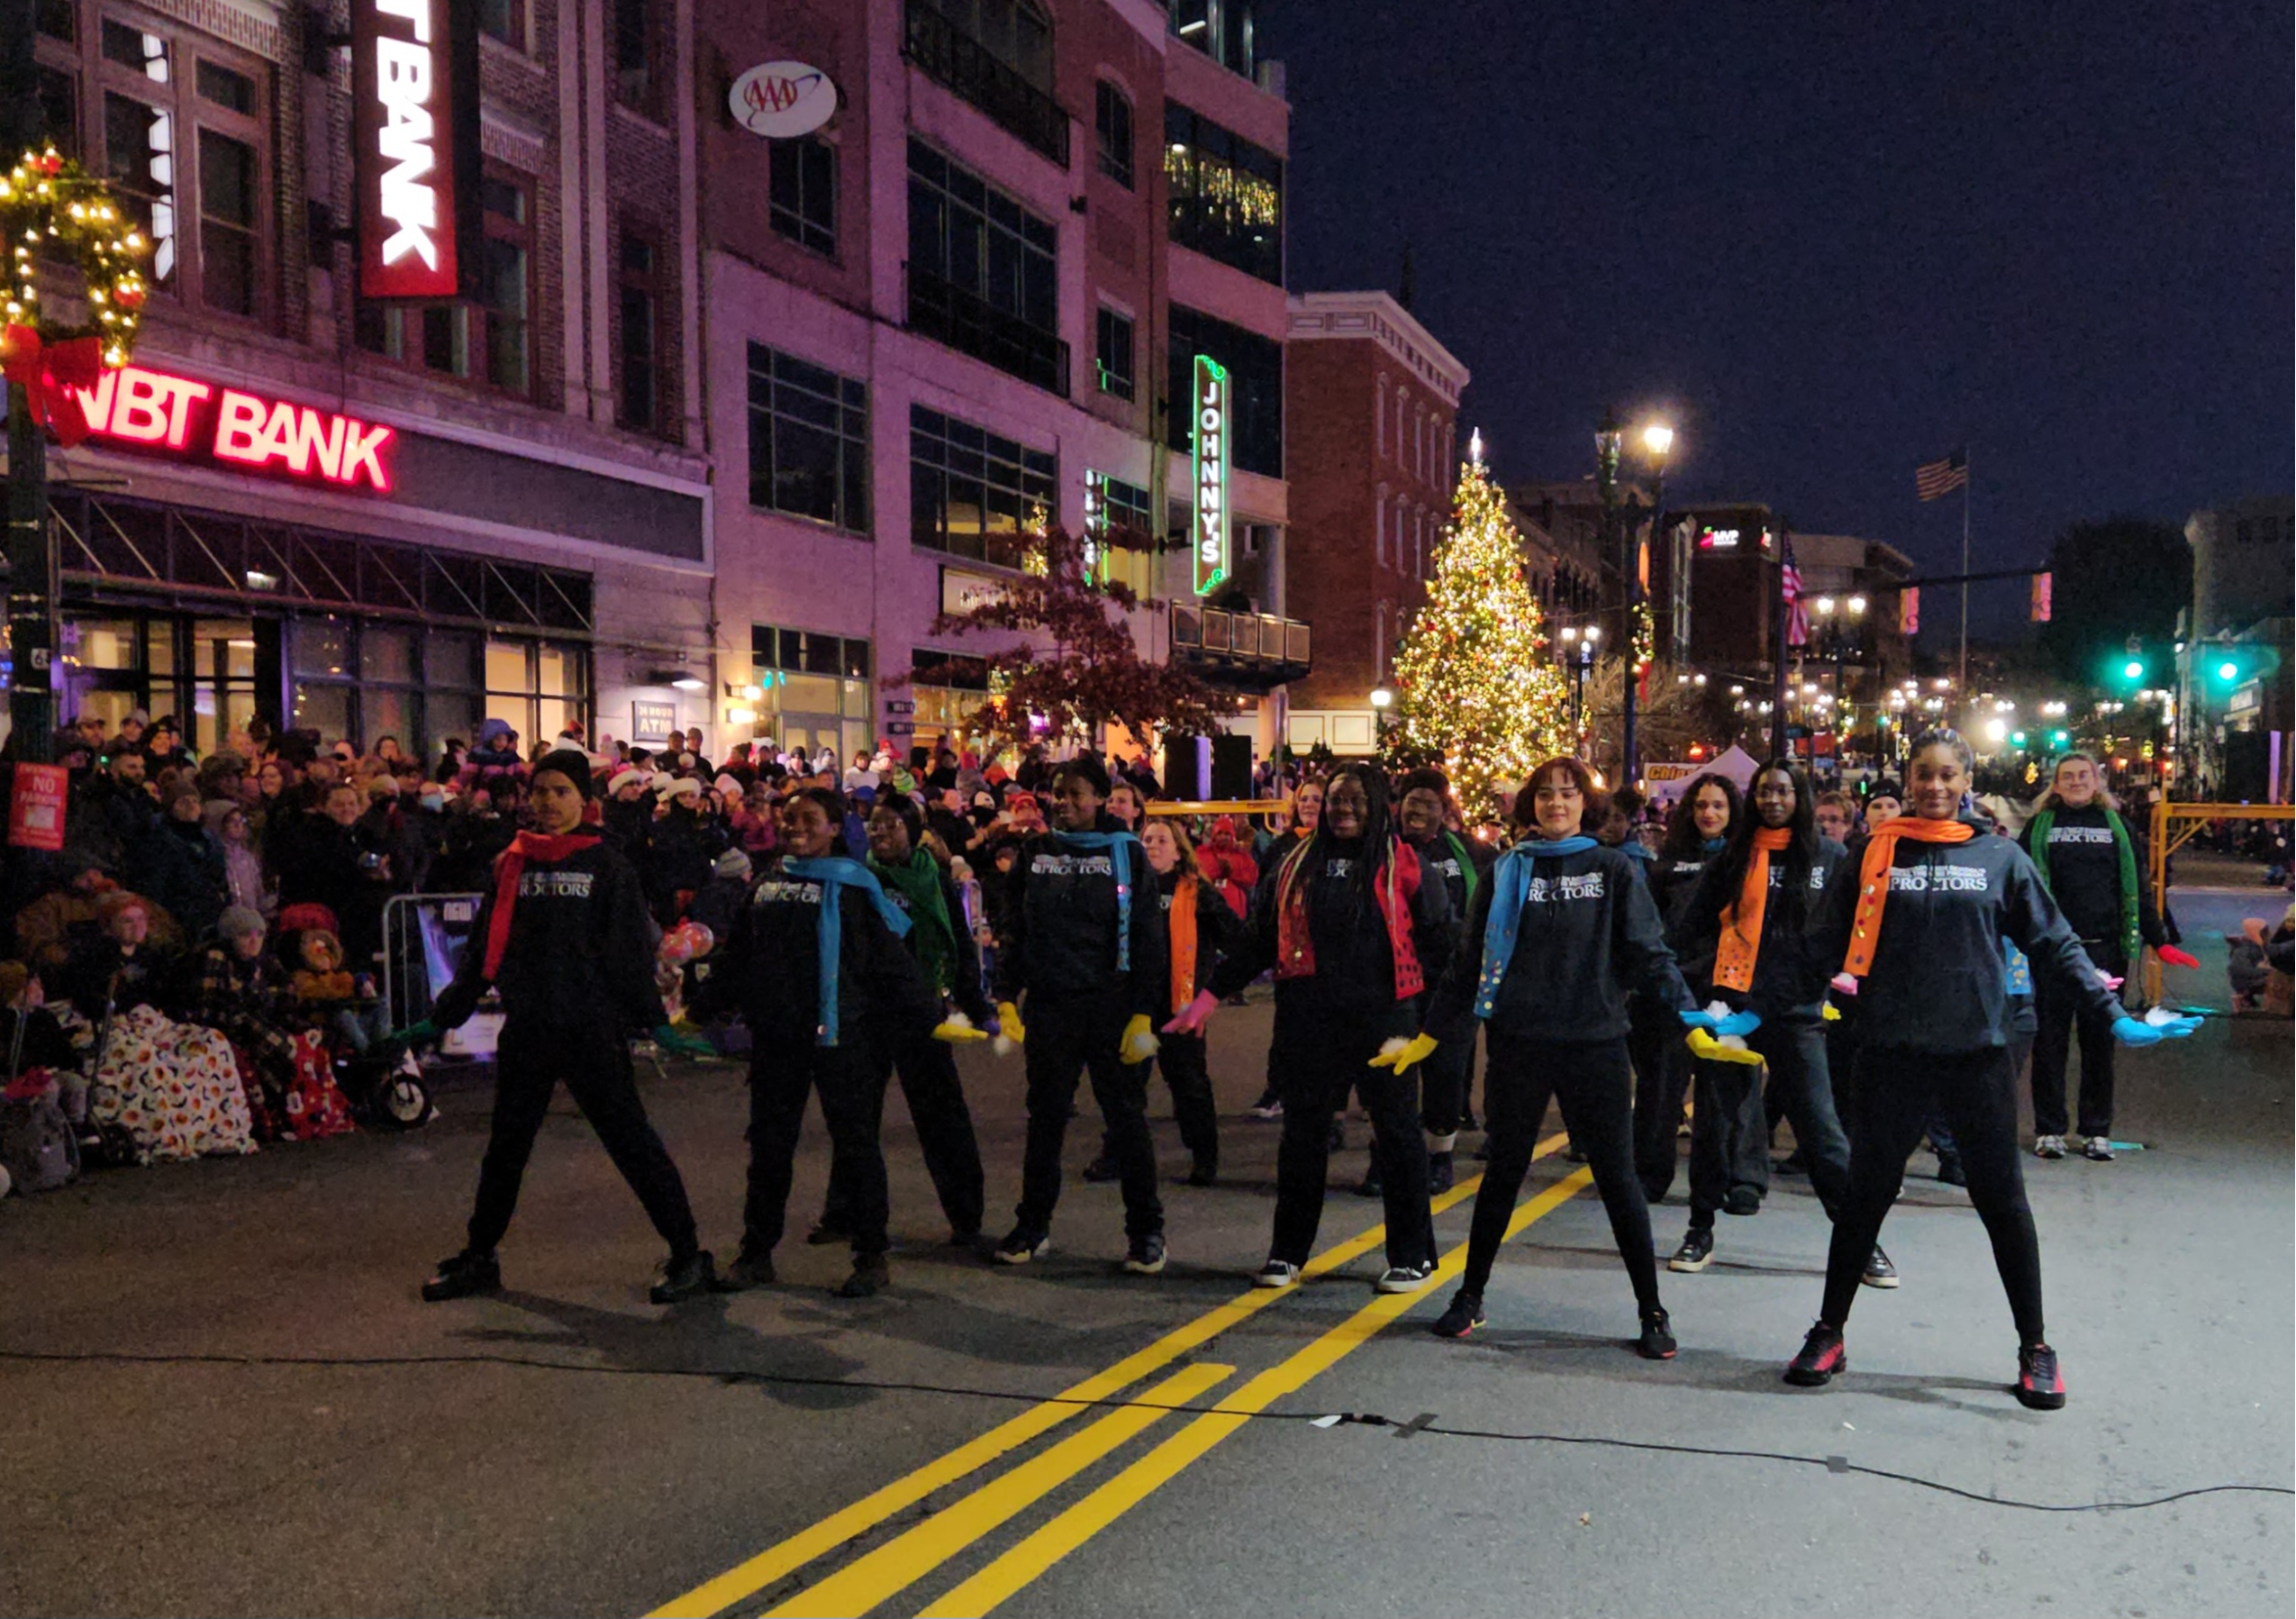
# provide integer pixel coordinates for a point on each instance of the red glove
(2177, 958)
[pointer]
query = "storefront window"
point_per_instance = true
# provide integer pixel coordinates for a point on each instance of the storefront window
(818, 692)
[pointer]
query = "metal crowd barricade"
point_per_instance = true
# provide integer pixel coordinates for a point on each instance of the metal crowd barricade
(423, 935)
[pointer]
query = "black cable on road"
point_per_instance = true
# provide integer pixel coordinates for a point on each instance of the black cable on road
(1422, 1424)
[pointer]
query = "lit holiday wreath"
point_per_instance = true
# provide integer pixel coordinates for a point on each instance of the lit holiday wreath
(46, 198)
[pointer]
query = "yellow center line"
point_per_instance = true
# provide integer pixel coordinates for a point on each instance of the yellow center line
(783, 1559)
(1072, 1528)
(868, 1580)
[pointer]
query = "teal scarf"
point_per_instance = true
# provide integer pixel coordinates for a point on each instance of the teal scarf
(1510, 890)
(918, 880)
(1092, 842)
(2132, 938)
(835, 873)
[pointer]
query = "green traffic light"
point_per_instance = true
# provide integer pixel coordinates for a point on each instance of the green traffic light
(2227, 671)
(2058, 739)
(2018, 737)
(2134, 669)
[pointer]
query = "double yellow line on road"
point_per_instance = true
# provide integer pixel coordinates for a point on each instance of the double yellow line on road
(876, 1577)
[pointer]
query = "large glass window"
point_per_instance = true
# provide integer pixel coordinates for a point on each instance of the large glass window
(505, 20)
(1227, 195)
(1115, 508)
(809, 440)
(817, 689)
(1112, 357)
(1254, 367)
(803, 191)
(973, 492)
(489, 339)
(1221, 29)
(1112, 132)
(997, 54)
(983, 271)
(639, 329)
(639, 52)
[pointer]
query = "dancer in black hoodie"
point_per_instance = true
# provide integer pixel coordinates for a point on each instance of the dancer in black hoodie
(1355, 930)
(1916, 926)
(1084, 942)
(562, 938)
(1462, 864)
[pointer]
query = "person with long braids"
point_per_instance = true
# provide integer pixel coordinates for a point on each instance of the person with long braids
(1750, 918)
(1561, 933)
(1424, 812)
(2092, 868)
(1915, 925)
(1355, 930)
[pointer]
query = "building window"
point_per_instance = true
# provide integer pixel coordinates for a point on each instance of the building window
(1113, 354)
(639, 55)
(947, 687)
(802, 187)
(1221, 29)
(505, 288)
(505, 20)
(817, 689)
(1113, 507)
(1379, 529)
(1112, 132)
(972, 493)
(227, 217)
(997, 54)
(640, 333)
(1227, 195)
(1379, 643)
(809, 440)
(983, 272)
(1379, 420)
(1256, 386)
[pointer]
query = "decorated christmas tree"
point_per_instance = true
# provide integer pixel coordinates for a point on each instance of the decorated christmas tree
(1475, 689)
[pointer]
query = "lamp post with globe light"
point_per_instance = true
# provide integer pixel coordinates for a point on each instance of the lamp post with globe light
(1626, 517)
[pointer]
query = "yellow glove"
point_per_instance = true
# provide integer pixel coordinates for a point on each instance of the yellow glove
(1009, 1031)
(958, 1030)
(1401, 1054)
(1140, 1043)
(1832, 1015)
(1704, 1044)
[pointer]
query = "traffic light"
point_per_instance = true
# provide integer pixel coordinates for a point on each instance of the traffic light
(2018, 737)
(2060, 738)
(2133, 670)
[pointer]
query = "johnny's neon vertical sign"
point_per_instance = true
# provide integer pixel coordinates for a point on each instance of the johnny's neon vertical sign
(1211, 462)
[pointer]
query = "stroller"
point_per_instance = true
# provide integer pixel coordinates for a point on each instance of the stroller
(387, 1091)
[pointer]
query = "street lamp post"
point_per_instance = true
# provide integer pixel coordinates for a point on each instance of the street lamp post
(1658, 443)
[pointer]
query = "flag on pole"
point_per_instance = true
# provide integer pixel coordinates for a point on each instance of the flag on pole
(2041, 583)
(1909, 610)
(1790, 590)
(1934, 479)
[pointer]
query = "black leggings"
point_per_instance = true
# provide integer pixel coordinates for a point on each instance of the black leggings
(1975, 1094)
(1594, 1084)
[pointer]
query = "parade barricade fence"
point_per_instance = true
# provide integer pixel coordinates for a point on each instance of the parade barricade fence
(423, 939)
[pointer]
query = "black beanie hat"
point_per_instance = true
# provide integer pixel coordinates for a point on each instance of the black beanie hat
(574, 766)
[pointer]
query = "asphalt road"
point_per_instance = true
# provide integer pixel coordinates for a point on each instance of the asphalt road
(221, 1394)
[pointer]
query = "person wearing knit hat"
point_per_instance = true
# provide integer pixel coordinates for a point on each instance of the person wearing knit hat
(679, 786)
(628, 782)
(732, 863)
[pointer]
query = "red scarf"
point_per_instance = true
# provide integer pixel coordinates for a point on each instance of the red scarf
(1742, 940)
(508, 866)
(1873, 880)
(1394, 885)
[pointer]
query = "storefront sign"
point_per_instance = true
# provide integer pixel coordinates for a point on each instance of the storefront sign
(136, 407)
(1713, 538)
(650, 722)
(36, 807)
(1212, 474)
(415, 94)
(783, 100)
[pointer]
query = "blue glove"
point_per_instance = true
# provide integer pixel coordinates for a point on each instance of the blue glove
(1695, 1019)
(2136, 1031)
(1739, 1023)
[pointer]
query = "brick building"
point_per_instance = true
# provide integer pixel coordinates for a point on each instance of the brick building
(526, 534)
(1374, 402)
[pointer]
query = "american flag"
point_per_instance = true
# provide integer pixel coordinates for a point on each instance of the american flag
(1790, 588)
(1934, 479)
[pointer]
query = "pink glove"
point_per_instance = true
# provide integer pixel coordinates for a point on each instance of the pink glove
(2177, 958)
(1195, 1014)
(1845, 983)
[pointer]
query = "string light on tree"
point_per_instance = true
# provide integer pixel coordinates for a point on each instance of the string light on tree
(46, 198)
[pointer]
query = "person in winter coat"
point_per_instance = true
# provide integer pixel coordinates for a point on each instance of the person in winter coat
(1562, 931)
(562, 937)
(183, 866)
(2093, 866)
(717, 903)
(1286, 831)
(1916, 926)
(1462, 864)
(1223, 864)
(1355, 930)
(678, 855)
(816, 965)
(627, 813)
(1082, 943)
(227, 824)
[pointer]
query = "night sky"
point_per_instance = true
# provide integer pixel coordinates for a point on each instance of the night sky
(1830, 240)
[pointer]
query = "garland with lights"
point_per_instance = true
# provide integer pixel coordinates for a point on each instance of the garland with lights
(47, 202)
(1646, 637)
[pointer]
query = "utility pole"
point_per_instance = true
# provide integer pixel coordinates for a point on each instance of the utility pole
(31, 603)
(1779, 743)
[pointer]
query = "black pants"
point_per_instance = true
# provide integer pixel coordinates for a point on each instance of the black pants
(594, 1063)
(1185, 1064)
(1323, 1061)
(1975, 1094)
(945, 1138)
(1802, 1082)
(849, 1077)
(1593, 1081)
(1445, 1080)
(2060, 1014)
(1066, 1039)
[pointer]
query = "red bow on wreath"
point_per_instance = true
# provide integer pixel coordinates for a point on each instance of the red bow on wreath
(53, 375)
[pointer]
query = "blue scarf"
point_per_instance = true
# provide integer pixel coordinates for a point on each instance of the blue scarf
(1092, 842)
(834, 873)
(1509, 889)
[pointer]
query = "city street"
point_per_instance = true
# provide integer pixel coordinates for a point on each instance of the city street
(224, 1397)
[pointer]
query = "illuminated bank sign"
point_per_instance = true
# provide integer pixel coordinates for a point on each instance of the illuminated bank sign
(1211, 423)
(137, 408)
(414, 91)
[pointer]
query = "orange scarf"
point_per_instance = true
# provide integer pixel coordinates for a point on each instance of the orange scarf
(1182, 924)
(1873, 880)
(1742, 940)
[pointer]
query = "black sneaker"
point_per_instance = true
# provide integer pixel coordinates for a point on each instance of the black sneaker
(1822, 1355)
(1741, 1201)
(1949, 1170)
(1202, 1173)
(689, 1277)
(1102, 1168)
(462, 1275)
(1879, 1271)
(1793, 1163)
(1372, 1186)
(1657, 1340)
(1467, 1120)
(1464, 1315)
(1338, 1139)
(964, 1236)
(2098, 1150)
(1022, 1246)
(1696, 1253)
(1572, 1150)
(751, 1268)
(2040, 1386)
(1440, 1173)
(871, 1275)
(1403, 1279)
(1276, 1273)
(1269, 1106)
(828, 1233)
(1145, 1257)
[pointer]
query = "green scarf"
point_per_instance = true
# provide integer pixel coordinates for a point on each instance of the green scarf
(1468, 867)
(2132, 938)
(919, 883)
